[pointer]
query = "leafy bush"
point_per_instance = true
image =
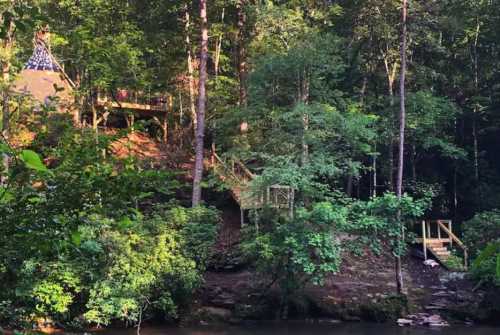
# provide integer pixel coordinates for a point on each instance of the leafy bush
(482, 229)
(378, 220)
(486, 266)
(84, 237)
(293, 252)
(482, 236)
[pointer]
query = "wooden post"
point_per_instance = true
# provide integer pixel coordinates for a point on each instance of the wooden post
(466, 260)
(165, 129)
(292, 200)
(439, 230)
(449, 227)
(428, 225)
(424, 242)
(242, 217)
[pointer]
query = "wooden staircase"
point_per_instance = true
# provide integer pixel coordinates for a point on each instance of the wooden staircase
(439, 250)
(238, 178)
(439, 239)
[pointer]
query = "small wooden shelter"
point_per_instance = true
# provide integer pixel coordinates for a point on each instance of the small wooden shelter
(43, 78)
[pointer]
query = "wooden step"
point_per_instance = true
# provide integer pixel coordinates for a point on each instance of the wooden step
(443, 253)
(437, 249)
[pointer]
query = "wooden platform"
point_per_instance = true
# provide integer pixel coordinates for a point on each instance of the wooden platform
(141, 108)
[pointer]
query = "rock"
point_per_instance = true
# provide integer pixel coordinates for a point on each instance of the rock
(329, 321)
(214, 314)
(442, 294)
(224, 300)
(452, 276)
(432, 263)
(405, 322)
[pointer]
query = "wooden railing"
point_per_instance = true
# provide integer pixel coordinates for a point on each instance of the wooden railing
(134, 100)
(238, 177)
(455, 239)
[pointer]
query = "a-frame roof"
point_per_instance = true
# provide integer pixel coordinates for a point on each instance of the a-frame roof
(41, 59)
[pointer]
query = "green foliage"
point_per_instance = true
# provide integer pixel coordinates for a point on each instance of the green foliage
(482, 236)
(486, 266)
(82, 238)
(32, 160)
(482, 229)
(387, 219)
(293, 252)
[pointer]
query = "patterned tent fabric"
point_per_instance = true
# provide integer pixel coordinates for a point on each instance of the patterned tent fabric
(41, 60)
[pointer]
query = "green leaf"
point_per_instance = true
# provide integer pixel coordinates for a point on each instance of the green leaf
(32, 161)
(489, 251)
(125, 223)
(76, 238)
(4, 148)
(5, 195)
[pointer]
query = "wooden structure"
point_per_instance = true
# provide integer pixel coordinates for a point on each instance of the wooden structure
(145, 105)
(438, 239)
(135, 102)
(238, 178)
(44, 79)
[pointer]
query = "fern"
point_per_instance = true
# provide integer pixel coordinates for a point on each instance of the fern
(488, 252)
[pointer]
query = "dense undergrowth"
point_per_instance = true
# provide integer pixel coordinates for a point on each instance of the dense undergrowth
(93, 239)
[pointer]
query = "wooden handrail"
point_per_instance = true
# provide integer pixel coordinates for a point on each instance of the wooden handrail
(452, 236)
(245, 169)
(457, 241)
(227, 169)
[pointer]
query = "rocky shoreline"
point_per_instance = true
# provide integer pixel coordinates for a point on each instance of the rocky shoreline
(362, 291)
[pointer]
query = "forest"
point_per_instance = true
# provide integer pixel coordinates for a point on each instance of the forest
(198, 162)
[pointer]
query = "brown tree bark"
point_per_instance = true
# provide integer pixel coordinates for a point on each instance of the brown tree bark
(402, 124)
(218, 45)
(242, 52)
(475, 65)
(189, 54)
(8, 42)
(391, 73)
(200, 115)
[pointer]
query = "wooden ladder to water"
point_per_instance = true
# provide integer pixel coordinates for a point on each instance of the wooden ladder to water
(440, 246)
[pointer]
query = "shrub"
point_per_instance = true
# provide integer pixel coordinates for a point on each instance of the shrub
(482, 235)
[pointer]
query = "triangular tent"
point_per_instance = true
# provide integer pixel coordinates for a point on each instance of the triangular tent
(43, 78)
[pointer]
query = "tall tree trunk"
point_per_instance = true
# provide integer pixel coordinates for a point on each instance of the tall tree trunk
(402, 123)
(303, 98)
(374, 175)
(242, 52)
(218, 45)
(189, 54)
(202, 101)
(391, 72)
(414, 163)
(475, 64)
(6, 65)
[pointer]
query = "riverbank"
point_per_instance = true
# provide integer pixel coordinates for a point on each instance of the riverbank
(363, 290)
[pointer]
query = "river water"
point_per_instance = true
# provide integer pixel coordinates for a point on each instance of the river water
(308, 329)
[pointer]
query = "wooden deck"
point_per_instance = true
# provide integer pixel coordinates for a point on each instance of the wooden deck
(139, 107)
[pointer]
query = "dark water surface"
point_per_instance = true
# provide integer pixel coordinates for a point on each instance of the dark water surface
(308, 329)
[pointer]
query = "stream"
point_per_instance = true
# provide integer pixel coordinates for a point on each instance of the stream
(301, 328)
